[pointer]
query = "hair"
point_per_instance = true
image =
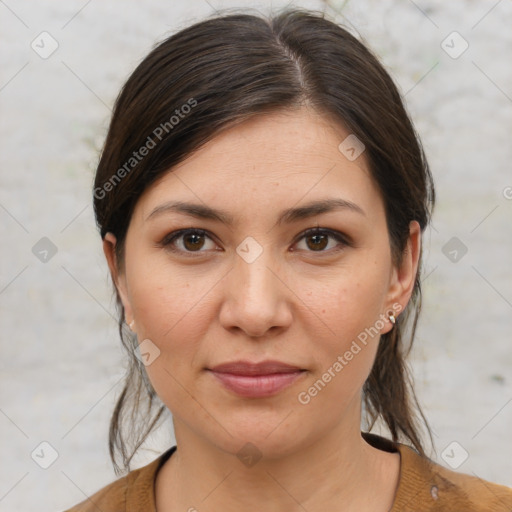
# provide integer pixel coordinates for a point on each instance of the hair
(220, 72)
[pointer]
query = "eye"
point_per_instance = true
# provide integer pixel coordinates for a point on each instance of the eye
(319, 238)
(188, 240)
(192, 240)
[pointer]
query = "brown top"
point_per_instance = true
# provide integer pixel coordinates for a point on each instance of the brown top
(424, 486)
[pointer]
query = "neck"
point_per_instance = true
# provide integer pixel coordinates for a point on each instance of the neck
(338, 468)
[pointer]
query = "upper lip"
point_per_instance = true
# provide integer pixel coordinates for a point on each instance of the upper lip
(268, 367)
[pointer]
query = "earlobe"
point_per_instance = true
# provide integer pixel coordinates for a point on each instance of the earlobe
(403, 279)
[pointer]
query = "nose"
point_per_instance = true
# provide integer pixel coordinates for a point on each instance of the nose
(256, 297)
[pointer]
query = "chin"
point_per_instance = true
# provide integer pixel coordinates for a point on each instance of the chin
(272, 438)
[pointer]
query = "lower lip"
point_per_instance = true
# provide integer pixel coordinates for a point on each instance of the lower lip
(257, 386)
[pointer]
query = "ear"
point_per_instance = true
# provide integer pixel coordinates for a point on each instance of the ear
(118, 277)
(402, 279)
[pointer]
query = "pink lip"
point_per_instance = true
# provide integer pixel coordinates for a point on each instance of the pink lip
(256, 379)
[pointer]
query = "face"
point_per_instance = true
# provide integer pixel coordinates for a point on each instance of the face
(265, 278)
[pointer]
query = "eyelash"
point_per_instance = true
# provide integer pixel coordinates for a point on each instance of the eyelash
(167, 242)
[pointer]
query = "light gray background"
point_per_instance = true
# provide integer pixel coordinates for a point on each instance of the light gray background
(61, 361)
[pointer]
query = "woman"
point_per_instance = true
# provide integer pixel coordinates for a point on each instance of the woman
(261, 197)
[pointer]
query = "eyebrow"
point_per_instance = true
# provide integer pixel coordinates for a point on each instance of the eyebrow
(289, 215)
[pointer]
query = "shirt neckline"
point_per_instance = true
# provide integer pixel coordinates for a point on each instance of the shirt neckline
(141, 491)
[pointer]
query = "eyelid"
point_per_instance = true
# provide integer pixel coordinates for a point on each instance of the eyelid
(337, 235)
(341, 238)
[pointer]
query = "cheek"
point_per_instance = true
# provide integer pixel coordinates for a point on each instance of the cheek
(352, 313)
(171, 311)
(160, 294)
(355, 304)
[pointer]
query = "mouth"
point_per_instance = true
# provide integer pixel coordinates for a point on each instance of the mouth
(256, 380)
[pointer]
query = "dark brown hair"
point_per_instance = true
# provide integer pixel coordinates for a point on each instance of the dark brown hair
(220, 72)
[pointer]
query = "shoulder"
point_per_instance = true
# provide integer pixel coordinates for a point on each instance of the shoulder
(134, 491)
(426, 486)
(477, 493)
(110, 497)
(434, 487)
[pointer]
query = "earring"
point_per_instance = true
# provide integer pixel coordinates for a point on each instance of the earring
(131, 324)
(392, 318)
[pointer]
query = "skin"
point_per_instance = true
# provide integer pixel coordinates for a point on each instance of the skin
(301, 301)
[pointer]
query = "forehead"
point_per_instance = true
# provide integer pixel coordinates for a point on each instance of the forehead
(266, 163)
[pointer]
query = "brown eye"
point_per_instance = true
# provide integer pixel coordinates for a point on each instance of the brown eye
(317, 240)
(187, 241)
(193, 241)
